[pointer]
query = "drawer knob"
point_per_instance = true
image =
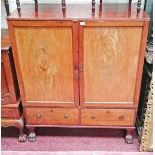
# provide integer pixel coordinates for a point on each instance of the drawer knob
(107, 112)
(38, 116)
(51, 110)
(66, 116)
(93, 117)
(121, 117)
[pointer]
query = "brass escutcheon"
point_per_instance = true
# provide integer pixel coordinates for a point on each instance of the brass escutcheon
(121, 117)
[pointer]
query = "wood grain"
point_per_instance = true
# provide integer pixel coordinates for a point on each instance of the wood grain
(8, 113)
(46, 63)
(83, 126)
(114, 117)
(9, 94)
(11, 111)
(141, 63)
(5, 71)
(49, 116)
(110, 63)
(5, 94)
(114, 23)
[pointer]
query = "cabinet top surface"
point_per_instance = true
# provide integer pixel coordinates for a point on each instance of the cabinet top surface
(109, 12)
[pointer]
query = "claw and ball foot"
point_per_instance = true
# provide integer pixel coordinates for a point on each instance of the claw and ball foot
(32, 136)
(129, 139)
(22, 137)
(129, 136)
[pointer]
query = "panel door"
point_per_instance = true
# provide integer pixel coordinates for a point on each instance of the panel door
(109, 55)
(8, 95)
(5, 95)
(46, 60)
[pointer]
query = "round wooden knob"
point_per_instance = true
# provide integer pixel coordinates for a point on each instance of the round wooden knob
(93, 117)
(51, 110)
(66, 116)
(121, 117)
(38, 116)
(107, 112)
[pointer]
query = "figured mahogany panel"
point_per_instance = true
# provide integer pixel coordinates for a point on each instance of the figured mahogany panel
(50, 116)
(46, 63)
(107, 117)
(110, 58)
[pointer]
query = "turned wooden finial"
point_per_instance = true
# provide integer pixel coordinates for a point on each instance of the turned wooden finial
(139, 6)
(36, 8)
(100, 1)
(63, 4)
(129, 10)
(7, 7)
(100, 10)
(130, 1)
(64, 12)
(18, 7)
(36, 2)
(93, 7)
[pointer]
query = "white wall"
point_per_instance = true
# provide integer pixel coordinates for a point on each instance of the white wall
(12, 4)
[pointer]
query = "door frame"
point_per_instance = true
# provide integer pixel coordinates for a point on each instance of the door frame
(46, 23)
(133, 104)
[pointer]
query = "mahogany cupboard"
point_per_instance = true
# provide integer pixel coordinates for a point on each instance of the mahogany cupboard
(11, 111)
(78, 66)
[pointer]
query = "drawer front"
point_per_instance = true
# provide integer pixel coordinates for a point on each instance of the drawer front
(118, 117)
(51, 116)
(9, 113)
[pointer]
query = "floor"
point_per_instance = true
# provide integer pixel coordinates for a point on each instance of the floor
(67, 139)
(74, 153)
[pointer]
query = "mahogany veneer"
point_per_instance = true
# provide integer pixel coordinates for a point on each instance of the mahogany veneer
(79, 66)
(11, 112)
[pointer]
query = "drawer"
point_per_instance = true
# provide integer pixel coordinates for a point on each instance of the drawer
(10, 113)
(51, 116)
(118, 117)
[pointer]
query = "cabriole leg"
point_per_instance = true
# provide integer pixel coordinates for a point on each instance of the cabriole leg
(20, 126)
(22, 136)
